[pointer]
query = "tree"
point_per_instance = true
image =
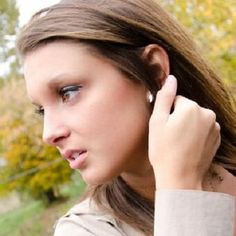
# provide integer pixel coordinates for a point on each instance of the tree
(30, 167)
(8, 27)
(212, 24)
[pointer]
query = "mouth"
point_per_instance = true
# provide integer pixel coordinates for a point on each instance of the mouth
(76, 155)
(76, 158)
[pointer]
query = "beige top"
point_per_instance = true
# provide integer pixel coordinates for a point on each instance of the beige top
(177, 213)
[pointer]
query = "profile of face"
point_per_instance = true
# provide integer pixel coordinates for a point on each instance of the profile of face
(94, 115)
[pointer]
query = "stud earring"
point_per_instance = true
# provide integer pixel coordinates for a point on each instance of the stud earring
(150, 97)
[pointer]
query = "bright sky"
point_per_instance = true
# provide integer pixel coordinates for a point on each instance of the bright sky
(28, 7)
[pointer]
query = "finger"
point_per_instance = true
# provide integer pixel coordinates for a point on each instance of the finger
(184, 104)
(210, 117)
(165, 98)
(218, 141)
(216, 133)
(216, 144)
(217, 126)
(215, 140)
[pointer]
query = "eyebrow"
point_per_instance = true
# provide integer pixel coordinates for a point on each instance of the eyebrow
(56, 81)
(60, 79)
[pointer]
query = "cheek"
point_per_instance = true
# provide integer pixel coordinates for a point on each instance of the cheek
(117, 142)
(117, 125)
(112, 122)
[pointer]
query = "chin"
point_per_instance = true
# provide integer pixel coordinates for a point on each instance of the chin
(96, 179)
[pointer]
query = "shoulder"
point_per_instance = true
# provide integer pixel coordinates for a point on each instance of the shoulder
(86, 219)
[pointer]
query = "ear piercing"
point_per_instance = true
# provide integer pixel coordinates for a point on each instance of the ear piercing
(150, 97)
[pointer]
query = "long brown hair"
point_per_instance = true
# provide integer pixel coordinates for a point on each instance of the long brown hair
(119, 30)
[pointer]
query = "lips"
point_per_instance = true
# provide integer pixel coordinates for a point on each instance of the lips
(76, 158)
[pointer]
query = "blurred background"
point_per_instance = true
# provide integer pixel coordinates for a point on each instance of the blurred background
(36, 184)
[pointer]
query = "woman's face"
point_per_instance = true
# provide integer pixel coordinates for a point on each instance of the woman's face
(94, 115)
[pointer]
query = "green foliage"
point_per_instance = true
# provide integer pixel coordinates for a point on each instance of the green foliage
(8, 27)
(9, 16)
(212, 24)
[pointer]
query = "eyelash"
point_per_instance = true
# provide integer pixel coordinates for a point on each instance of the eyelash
(39, 111)
(62, 92)
(65, 90)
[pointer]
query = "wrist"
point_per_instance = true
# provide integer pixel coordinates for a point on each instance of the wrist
(179, 184)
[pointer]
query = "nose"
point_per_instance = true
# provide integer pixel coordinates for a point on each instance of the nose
(54, 130)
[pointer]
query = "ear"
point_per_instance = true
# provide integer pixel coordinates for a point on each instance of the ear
(158, 60)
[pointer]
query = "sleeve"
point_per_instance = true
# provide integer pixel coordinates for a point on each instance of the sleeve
(193, 212)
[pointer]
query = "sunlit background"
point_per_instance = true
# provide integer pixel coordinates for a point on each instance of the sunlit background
(28, 7)
(36, 185)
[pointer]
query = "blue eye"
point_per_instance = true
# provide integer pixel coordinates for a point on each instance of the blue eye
(69, 92)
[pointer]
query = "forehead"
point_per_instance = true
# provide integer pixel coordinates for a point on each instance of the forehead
(54, 56)
(60, 63)
(55, 60)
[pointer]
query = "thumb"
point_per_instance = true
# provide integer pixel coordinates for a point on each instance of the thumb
(165, 98)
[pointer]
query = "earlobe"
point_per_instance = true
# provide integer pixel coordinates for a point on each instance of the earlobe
(158, 59)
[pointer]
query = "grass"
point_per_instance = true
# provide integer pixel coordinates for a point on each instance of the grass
(11, 222)
(34, 219)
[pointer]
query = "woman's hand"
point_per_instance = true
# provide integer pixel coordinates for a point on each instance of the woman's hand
(183, 143)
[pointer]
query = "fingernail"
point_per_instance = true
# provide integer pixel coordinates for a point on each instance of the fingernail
(170, 83)
(170, 79)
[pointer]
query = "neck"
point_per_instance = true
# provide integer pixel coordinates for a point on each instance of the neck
(220, 180)
(143, 183)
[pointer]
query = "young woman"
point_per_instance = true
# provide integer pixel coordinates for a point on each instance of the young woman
(128, 100)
